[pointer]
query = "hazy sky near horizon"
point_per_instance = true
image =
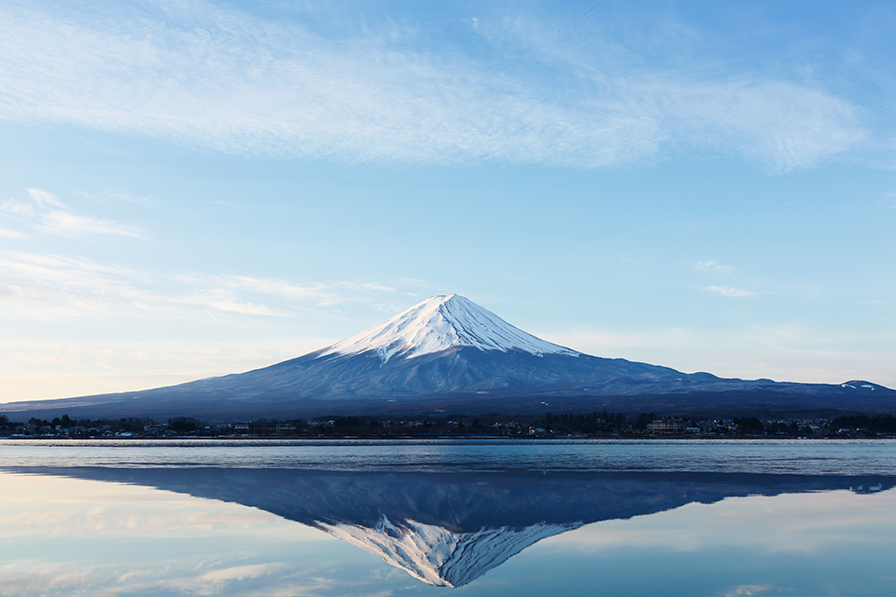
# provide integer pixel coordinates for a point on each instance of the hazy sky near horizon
(197, 188)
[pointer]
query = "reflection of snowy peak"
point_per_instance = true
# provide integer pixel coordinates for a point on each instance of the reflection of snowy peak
(440, 323)
(449, 528)
(437, 556)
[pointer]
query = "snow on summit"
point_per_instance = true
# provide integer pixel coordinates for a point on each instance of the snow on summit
(440, 323)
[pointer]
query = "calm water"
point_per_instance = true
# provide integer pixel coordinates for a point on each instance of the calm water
(485, 518)
(785, 456)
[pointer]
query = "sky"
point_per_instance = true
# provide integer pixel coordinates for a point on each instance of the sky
(190, 189)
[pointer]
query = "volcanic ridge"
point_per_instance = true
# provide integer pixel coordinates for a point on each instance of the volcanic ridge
(448, 354)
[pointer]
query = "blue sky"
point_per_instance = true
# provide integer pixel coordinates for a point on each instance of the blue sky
(190, 189)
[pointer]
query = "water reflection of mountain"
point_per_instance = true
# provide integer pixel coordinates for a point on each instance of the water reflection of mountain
(448, 529)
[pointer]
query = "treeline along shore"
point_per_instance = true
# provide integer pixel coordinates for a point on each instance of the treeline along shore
(594, 424)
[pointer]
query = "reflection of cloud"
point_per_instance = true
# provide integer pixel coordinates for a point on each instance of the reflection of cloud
(789, 523)
(237, 573)
(70, 519)
(212, 582)
(50, 215)
(226, 79)
(63, 537)
(746, 590)
(213, 570)
(275, 560)
(185, 576)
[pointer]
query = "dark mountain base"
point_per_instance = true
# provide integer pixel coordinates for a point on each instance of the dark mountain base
(694, 404)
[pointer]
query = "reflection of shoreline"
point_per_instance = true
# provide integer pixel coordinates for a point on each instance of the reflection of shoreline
(449, 528)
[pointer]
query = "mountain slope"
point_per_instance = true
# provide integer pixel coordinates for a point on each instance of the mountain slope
(440, 323)
(449, 353)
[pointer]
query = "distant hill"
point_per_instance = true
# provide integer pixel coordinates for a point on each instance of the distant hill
(448, 354)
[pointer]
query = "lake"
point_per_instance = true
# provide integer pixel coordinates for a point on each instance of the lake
(307, 518)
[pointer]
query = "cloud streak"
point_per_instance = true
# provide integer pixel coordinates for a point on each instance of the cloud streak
(712, 266)
(729, 291)
(7, 233)
(48, 214)
(230, 81)
(47, 285)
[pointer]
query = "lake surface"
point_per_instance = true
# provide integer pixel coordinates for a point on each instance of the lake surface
(726, 518)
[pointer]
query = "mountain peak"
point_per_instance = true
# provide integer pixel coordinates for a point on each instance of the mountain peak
(440, 323)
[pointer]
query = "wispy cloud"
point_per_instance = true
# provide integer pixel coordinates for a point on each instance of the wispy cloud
(48, 214)
(118, 196)
(729, 291)
(252, 322)
(890, 200)
(7, 233)
(712, 266)
(223, 79)
(45, 199)
(72, 224)
(46, 285)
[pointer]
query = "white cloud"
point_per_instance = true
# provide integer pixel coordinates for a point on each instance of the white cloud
(51, 305)
(889, 200)
(118, 196)
(7, 233)
(39, 368)
(210, 77)
(729, 291)
(43, 198)
(48, 214)
(225, 301)
(267, 286)
(46, 285)
(70, 224)
(784, 125)
(712, 266)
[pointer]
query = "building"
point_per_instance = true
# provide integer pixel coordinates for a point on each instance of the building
(666, 426)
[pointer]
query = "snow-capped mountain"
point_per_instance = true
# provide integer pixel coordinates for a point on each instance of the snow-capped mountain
(440, 323)
(447, 354)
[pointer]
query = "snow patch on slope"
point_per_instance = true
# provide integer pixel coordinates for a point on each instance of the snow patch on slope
(439, 323)
(437, 556)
